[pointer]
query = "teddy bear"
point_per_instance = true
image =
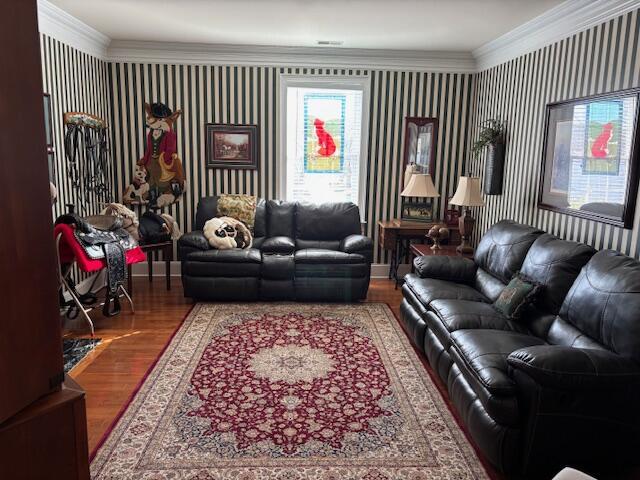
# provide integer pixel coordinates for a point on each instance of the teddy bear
(138, 190)
(225, 233)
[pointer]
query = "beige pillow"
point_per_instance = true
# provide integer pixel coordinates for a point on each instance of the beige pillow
(240, 207)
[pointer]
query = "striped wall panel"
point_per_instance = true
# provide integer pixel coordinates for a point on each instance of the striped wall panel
(235, 94)
(601, 59)
(76, 81)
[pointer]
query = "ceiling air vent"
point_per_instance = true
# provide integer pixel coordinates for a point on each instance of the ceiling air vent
(333, 43)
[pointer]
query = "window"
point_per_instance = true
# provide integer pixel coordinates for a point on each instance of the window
(323, 139)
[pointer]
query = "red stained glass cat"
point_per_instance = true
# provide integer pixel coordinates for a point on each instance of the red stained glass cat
(600, 147)
(325, 140)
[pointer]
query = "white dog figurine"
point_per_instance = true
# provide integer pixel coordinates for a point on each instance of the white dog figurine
(138, 190)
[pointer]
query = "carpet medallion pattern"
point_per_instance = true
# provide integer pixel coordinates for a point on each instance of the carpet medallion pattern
(288, 391)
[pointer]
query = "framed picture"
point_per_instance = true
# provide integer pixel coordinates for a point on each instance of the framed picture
(231, 146)
(420, 138)
(417, 211)
(48, 127)
(590, 157)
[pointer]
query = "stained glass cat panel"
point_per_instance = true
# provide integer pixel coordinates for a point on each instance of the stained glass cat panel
(590, 157)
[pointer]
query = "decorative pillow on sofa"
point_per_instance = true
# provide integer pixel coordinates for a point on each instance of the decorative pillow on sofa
(519, 293)
(240, 207)
(224, 233)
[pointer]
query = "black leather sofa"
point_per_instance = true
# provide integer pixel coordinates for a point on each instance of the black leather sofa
(559, 386)
(300, 252)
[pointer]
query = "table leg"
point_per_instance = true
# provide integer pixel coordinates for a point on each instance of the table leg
(168, 256)
(129, 280)
(397, 255)
(150, 265)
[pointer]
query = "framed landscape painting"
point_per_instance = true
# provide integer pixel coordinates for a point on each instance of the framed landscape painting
(231, 146)
(590, 157)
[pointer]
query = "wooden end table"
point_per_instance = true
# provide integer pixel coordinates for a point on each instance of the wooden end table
(396, 235)
(167, 251)
(444, 250)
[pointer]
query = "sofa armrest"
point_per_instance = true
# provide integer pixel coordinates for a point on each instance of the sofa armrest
(570, 368)
(192, 242)
(358, 244)
(454, 269)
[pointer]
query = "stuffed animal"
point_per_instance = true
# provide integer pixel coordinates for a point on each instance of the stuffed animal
(138, 189)
(224, 233)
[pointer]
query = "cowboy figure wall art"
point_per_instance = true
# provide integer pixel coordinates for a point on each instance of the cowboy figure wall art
(163, 166)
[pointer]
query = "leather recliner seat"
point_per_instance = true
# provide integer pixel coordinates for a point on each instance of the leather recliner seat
(300, 252)
(557, 386)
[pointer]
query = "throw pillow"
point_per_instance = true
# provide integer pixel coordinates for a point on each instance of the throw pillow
(519, 293)
(225, 232)
(240, 207)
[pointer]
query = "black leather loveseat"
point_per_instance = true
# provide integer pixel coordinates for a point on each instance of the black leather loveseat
(300, 252)
(560, 385)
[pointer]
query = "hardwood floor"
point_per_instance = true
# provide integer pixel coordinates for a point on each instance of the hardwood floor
(131, 344)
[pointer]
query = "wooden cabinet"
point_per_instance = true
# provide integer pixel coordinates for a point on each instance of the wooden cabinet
(41, 423)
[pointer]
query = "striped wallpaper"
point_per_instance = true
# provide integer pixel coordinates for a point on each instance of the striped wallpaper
(601, 59)
(239, 94)
(76, 81)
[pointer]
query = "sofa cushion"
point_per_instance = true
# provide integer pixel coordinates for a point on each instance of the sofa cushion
(207, 209)
(481, 357)
(314, 262)
(278, 245)
(502, 249)
(223, 263)
(317, 255)
(485, 352)
(327, 221)
(281, 218)
(453, 315)
(428, 289)
(318, 244)
(232, 255)
(555, 264)
(604, 302)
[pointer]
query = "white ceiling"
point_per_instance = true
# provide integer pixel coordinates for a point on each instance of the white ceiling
(427, 25)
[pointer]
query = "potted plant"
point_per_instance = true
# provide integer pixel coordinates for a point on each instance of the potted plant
(492, 136)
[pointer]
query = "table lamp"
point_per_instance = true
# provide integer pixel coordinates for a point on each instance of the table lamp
(467, 195)
(420, 185)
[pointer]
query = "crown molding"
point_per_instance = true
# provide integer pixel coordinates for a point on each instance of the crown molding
(568, 18)
(310, 57)
(57, 23)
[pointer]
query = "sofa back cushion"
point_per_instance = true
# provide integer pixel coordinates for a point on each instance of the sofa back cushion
(554, 264)
(327, 221)
(207, 209)
(502, 249)
(281, 217)
(604, 302)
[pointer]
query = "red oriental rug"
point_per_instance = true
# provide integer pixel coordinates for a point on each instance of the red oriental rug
(290, 392)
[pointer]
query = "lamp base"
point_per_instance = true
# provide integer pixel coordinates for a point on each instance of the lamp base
(466, 224)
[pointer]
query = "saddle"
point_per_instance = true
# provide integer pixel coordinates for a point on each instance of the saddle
(102, 237)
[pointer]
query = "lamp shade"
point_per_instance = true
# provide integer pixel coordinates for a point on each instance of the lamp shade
(468, 193)
(420, 185)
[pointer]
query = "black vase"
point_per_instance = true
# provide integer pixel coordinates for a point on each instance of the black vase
(494, 169)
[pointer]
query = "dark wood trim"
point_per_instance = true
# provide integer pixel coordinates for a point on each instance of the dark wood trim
(421, 121)
(626, 221)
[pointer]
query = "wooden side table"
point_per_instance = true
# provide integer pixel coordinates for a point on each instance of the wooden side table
(167, 250)
(396, 235)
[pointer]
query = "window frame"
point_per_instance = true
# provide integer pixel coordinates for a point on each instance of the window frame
(340, 82)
